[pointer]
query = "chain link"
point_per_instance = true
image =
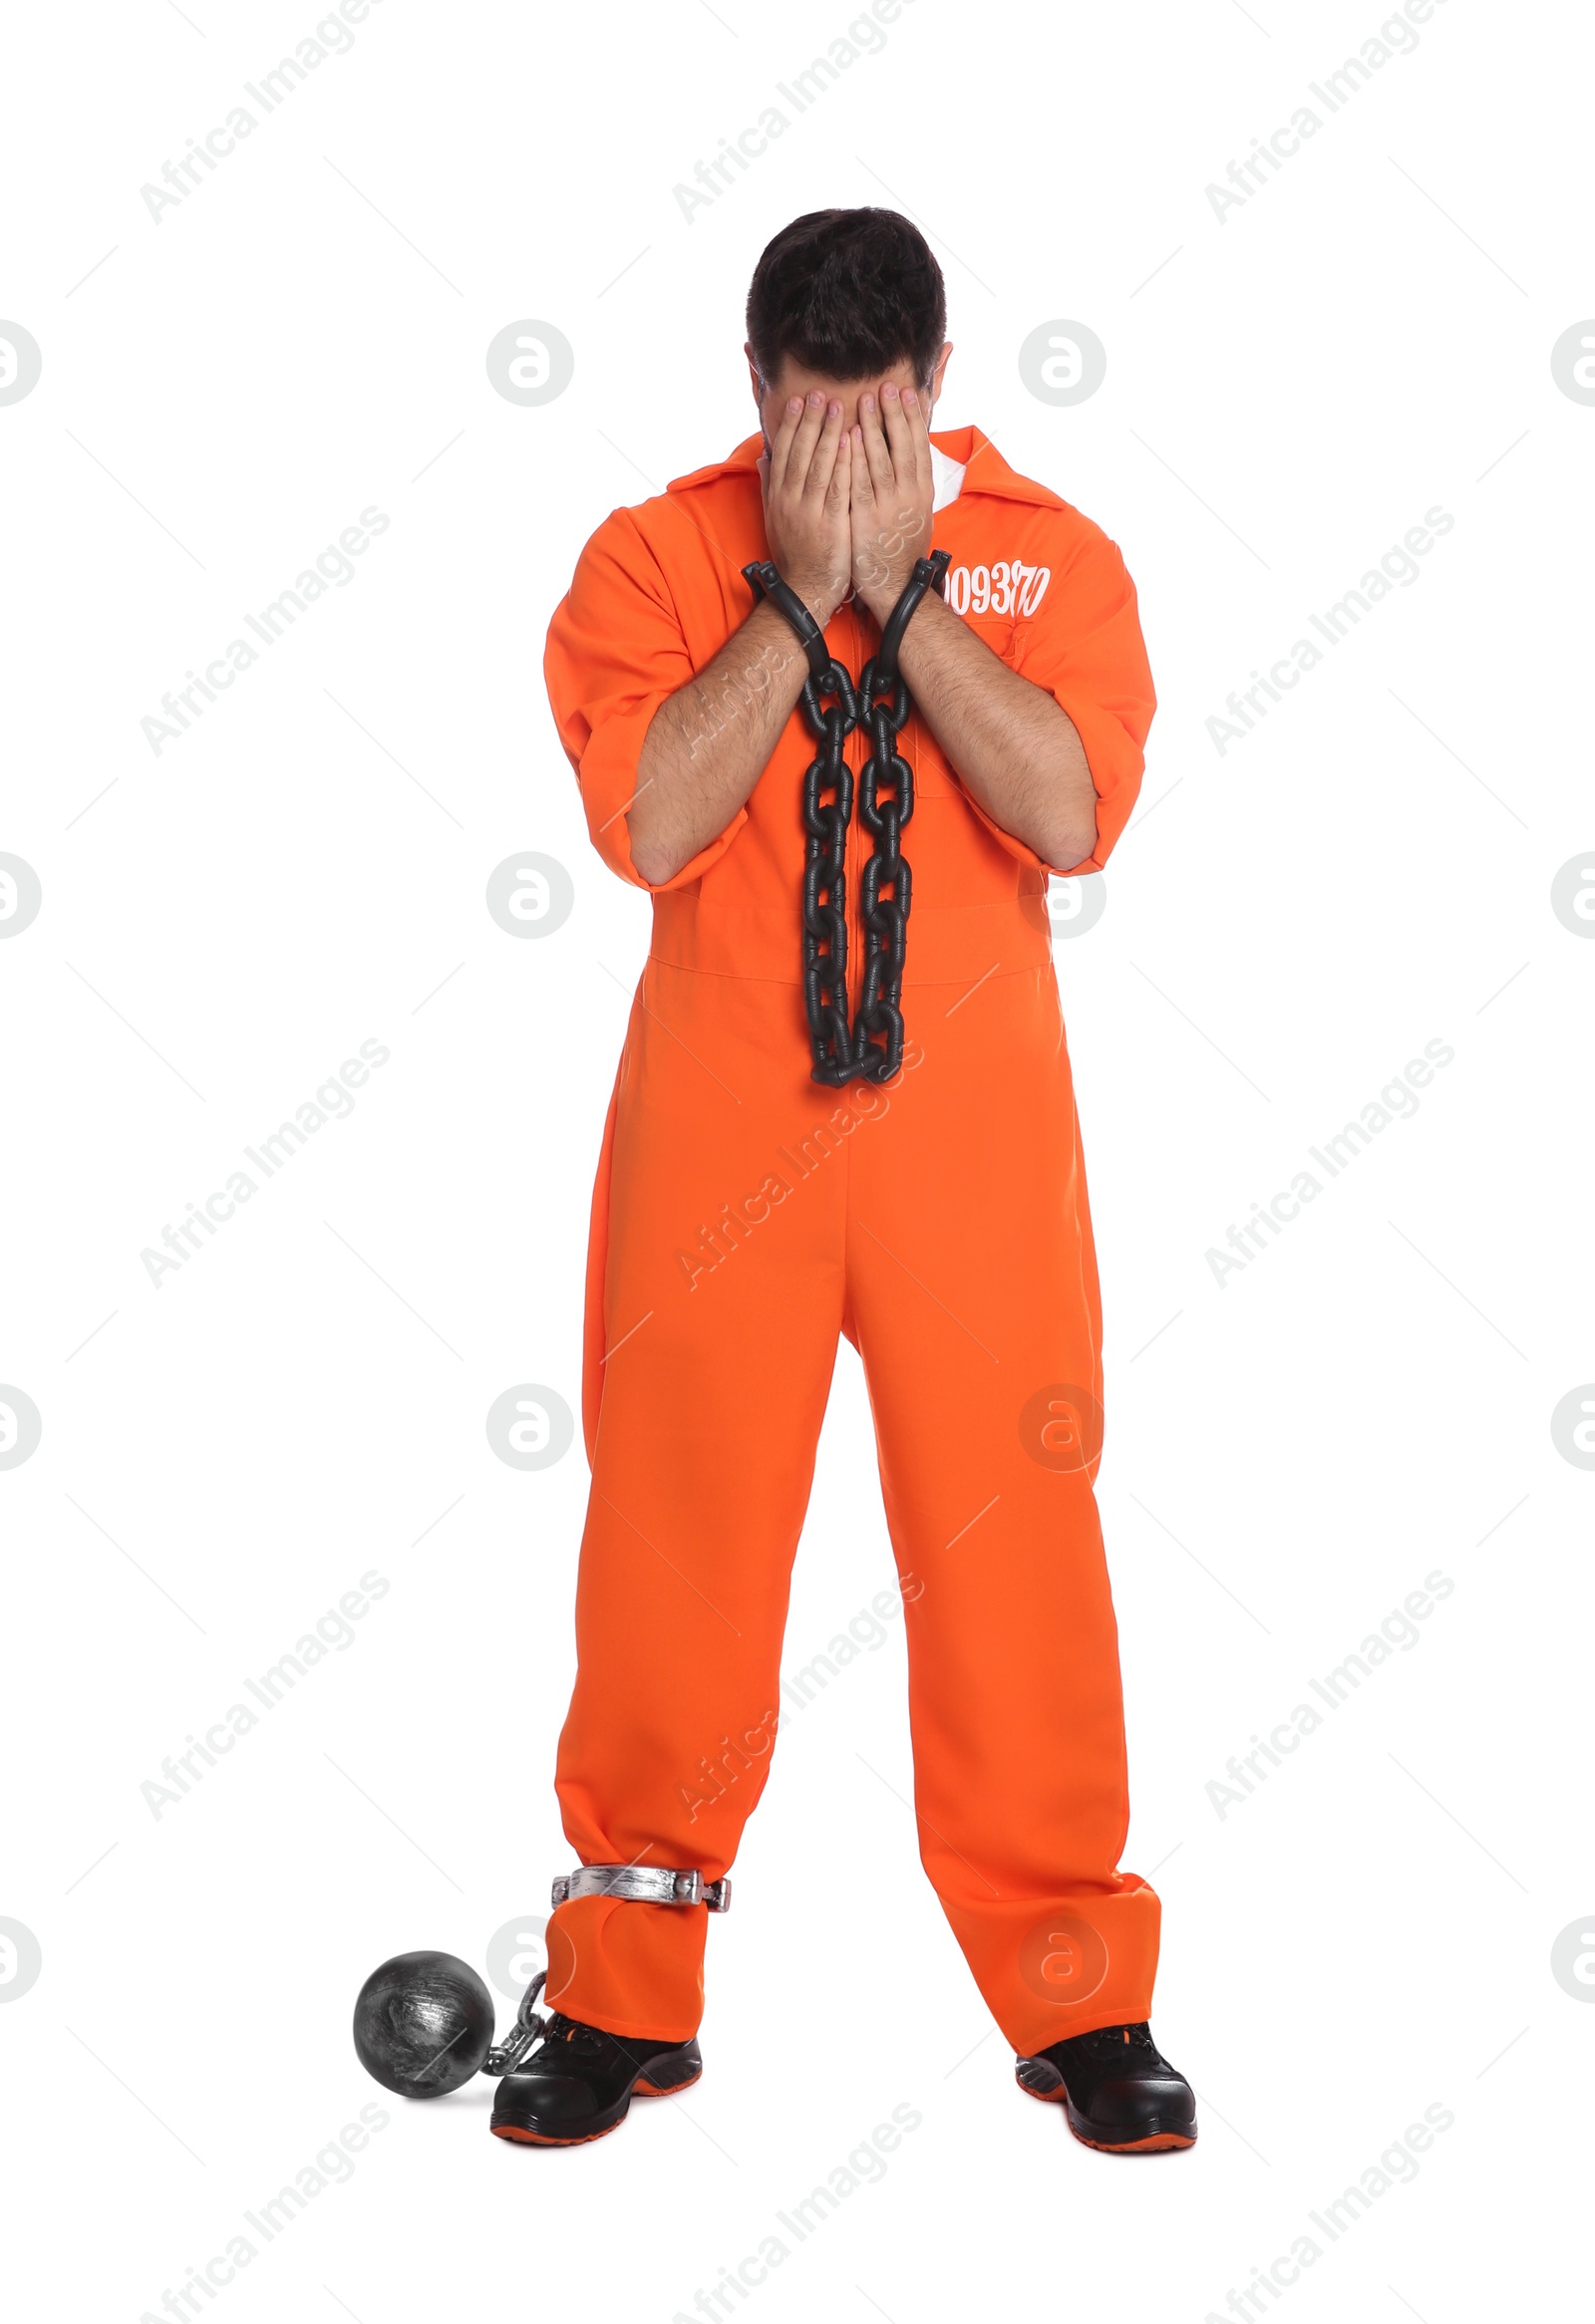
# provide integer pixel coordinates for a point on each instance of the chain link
(885, 891)
(530, 2025)
(827, 807)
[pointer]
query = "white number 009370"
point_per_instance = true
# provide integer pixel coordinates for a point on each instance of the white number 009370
(1003, 588)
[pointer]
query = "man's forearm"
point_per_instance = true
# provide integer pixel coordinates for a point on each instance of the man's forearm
(707, 746)
(1015, 750)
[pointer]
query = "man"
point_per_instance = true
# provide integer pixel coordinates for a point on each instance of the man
(845, 1104)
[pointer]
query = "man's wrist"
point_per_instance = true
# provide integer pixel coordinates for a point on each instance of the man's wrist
(881, 600)
(821, 598)
(883, 603)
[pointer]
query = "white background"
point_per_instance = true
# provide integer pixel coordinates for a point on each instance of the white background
(1287, 391)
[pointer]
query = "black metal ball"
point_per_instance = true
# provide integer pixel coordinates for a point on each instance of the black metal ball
(424, 2023)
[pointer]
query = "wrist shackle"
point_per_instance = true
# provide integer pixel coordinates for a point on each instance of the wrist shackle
(764, 581)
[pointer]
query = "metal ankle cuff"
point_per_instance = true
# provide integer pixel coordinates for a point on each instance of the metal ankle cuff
(643, 1884)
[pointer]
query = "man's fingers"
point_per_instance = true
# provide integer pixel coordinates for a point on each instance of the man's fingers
(801, 451)
(839, 493)
(868, 505)
(782, 447)
(899, 435)
(823, 461)
(801, 443)
(876, 452)
(918, 431)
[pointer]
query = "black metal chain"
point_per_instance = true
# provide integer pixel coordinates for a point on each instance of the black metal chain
(529, 2026)
(827, 807)
(871, 1048)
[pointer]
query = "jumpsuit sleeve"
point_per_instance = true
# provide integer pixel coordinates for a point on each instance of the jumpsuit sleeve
(615, 652)
(1083, 646)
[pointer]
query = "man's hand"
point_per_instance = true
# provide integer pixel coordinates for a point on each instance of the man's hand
(804, 479)
(892, 491)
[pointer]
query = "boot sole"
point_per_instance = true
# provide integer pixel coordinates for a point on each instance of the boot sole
(1155, 2142)
(641, 2088)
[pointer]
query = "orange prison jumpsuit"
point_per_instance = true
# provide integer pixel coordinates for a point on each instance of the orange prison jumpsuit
(743, 1214)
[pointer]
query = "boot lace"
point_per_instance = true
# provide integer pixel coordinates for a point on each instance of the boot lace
(1111, 2041)
(559, 2028)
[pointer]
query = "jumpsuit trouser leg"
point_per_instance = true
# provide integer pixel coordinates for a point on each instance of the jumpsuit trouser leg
(743, 1216)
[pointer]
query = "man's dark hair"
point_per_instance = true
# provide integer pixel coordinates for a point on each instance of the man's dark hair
(848, 293)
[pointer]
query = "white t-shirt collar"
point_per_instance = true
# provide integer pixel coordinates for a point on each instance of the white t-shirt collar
(949, 477)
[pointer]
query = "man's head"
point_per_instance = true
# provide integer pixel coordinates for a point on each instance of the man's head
(842, 300)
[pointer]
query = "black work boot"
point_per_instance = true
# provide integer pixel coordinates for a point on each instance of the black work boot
(1119, 2093)
(579, 2081)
